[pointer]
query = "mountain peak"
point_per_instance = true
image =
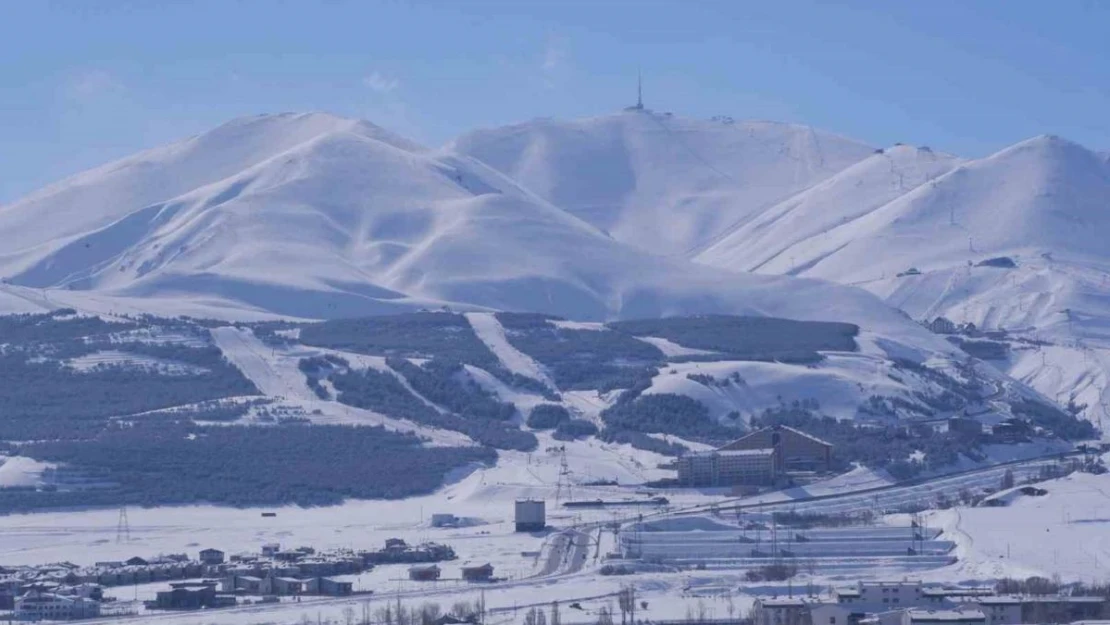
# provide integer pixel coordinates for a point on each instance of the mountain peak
(1048, 144)
(301, 127)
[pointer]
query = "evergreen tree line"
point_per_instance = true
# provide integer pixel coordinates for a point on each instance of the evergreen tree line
(182, 463)
(382, 392)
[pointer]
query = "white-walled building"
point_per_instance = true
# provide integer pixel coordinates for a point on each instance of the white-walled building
(38, 605)
(943, 617)
(724, 468)
(783, 611)
(905, 593)
(1001, 610)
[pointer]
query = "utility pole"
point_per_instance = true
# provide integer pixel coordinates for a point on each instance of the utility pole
(564, 476)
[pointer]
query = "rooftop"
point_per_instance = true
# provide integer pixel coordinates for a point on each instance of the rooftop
(1016, 599)
(783, 602)
(946, 615)
(730, 452)
(957, 592)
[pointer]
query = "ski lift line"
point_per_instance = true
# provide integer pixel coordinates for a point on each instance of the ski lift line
(689, 149)
(697, 249)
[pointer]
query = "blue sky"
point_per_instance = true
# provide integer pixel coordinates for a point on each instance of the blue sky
(82, 83)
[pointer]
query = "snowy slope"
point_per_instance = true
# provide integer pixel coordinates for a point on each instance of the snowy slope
(1042, 195)
(1062, 533)
(766, 242)
(665, 184)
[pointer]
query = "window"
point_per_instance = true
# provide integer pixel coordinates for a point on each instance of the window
(896, 600)
(832, 620)
(886, 600)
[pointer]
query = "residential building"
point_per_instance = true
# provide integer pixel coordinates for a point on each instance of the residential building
(941, 325)
(39, 605)
(783, 611)
(1011, 430)
(187, 596)
(424, 573)
(444, 520)
(965, 426)
(334, 587)
(1062, 609)
(212, 556)
(829, 613)
(1001, 610)
(483, 573)
(943, 617)
(288, 586)
(893, 594)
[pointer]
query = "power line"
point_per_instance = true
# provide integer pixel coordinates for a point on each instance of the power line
(123, 528)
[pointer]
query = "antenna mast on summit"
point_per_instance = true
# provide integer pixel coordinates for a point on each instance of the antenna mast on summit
(639, 90)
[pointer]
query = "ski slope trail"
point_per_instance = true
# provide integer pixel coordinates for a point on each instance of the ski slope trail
(276, 374)
(276, 377)
(492, 333)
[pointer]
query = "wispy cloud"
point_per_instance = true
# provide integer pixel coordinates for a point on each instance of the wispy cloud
(380, 83)
(555, 59)
(92, 84)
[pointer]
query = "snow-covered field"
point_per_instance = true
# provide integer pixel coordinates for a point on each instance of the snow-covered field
(1062, 533)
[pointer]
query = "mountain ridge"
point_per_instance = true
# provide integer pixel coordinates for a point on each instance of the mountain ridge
(335, 217)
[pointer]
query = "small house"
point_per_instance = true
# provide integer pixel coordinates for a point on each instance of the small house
(289, 555)
(1011, 430)
(212, 556)
(334, 587)
(483, 573)
(444, 520)
(424, 573)
(942, 325)
(965, 426)
(186, 596)
(287, 586)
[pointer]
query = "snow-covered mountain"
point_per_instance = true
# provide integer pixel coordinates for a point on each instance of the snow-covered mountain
(636, 214)
(317, 216)
(780, 199)
(664, 184)
(1040, 206)
(1044, 195)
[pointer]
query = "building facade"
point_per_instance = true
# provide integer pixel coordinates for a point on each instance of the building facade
(793, 450)
(37, 605)
(782, 611)
(530, 515)
(724, 468)
(943, 617)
